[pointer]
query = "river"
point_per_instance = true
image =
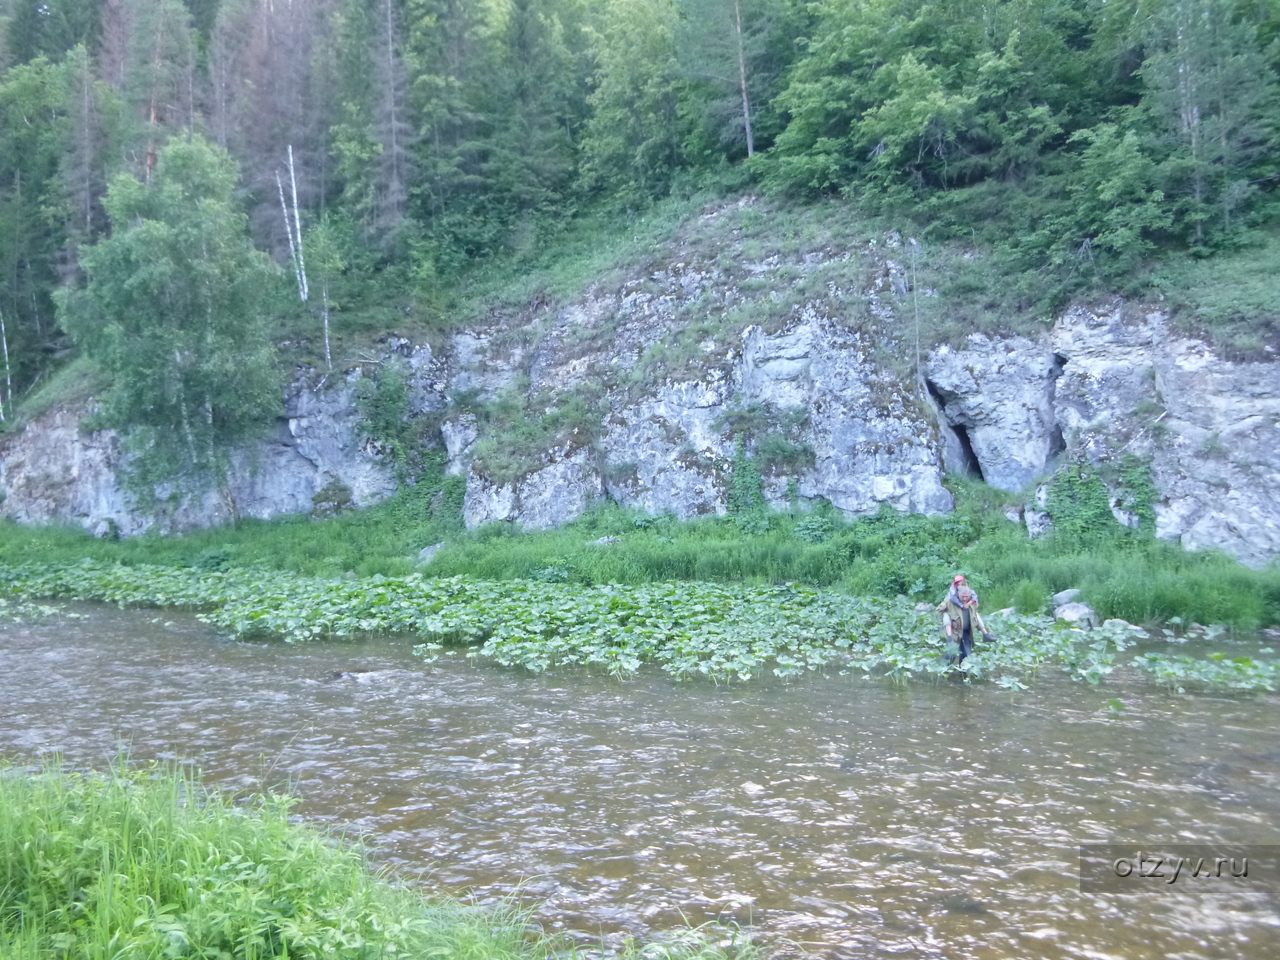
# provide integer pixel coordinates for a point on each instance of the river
(834, 815)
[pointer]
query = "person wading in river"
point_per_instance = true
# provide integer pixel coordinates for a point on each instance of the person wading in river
(959, 617)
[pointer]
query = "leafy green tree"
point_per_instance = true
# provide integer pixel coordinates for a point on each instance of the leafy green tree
(172, 311)
(1115, 211)
(936, 93)
(631, 145)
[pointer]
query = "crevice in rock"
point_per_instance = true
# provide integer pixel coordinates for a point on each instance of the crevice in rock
(972, 466)
(1057, 442)
(962, 457)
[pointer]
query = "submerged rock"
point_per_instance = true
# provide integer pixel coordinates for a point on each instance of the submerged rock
(1125, 625)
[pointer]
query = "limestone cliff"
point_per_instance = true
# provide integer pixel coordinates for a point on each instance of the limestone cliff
(664, 360)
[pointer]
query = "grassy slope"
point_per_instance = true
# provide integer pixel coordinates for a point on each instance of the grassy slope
(1231, 299)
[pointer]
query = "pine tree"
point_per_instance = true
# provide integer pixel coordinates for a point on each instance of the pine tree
(1211, 91)
(32, 115)
(732, 55)
(159, 78)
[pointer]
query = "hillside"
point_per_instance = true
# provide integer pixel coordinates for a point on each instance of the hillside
(746, 355)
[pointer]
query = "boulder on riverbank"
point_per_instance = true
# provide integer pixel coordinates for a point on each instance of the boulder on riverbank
(1081, 614)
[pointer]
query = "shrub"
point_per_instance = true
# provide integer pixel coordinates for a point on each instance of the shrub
(1030, 597)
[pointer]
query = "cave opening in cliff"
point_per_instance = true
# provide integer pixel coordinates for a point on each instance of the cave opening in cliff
(972, 466)
(1057, 443)
(968, 459)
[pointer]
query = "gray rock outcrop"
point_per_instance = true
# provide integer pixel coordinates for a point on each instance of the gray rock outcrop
(998, 395)
(1111, 382)
(1078, 613)
(825, 374)
(52, 471)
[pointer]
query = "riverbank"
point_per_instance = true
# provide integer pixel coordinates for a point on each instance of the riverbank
(689, 629)
(150, 863)
(1122, 573)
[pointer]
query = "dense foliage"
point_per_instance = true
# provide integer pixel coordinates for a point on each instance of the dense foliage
(1076, 139)
(689, 630)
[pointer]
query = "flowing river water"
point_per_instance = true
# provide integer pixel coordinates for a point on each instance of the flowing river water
(832, 815)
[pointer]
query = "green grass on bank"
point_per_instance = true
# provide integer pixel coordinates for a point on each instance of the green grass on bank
(153, 865)
(1123, 575)
(149, 864)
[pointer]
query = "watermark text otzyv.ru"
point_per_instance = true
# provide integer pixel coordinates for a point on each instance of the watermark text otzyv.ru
(1110, 866)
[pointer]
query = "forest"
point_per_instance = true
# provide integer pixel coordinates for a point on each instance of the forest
(175, 176)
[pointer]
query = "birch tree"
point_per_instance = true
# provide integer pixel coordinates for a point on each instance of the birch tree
(172, 311)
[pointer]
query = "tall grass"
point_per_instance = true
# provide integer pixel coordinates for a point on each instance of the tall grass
(1142, 581)
(150, 864)
(153, 865)
(384, 539)
(1136, 578)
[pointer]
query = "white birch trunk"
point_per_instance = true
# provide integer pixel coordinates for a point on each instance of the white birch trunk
(7, 400)
(742, 77)
(293, 251)
(297, 229)
(324, 299)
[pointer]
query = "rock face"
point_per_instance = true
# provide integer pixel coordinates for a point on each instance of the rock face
(667, 366)
(561, 489)
(998, 397)
(1112, 381)
(53, 472)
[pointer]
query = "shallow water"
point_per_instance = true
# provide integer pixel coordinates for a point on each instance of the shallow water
(844, 817)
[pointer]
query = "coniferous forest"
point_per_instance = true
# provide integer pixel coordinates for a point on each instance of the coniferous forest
(168, 169)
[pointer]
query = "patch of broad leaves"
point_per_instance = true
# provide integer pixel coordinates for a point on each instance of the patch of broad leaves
(688, 629)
